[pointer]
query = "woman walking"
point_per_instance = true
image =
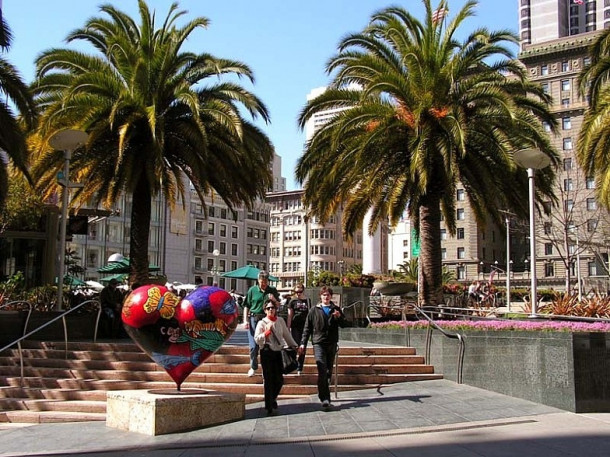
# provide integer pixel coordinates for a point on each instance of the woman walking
(272, 335)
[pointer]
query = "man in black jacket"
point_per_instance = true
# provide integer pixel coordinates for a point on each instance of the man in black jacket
(323, 322)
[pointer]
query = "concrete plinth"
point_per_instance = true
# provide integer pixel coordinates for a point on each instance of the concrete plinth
(159, 413)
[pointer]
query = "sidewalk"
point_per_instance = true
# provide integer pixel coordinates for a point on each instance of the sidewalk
(427, 418)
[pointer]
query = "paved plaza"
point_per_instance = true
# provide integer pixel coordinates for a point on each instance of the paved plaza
(426, 418)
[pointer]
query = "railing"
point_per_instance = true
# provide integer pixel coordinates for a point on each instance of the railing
(62, 316)
(27, 319)
(404, 307)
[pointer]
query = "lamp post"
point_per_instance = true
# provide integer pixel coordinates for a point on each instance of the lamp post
(67, 141)
(215, 271)
(341, 263)
(532, 159)
(578, 276)
(507, 215)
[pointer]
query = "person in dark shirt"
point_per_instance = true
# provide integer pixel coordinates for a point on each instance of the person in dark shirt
(111, 301)
(322, 325)
(298, 308)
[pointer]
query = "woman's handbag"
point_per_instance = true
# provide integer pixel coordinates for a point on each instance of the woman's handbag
(289, 360)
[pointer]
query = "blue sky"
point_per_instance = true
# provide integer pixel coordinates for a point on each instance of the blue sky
(286, 42)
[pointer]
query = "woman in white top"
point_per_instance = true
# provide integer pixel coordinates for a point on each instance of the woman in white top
(272, 335)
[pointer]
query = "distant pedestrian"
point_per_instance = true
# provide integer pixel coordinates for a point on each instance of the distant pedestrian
(298, 308)
(322, 325)
(253, 312)
(111, 301)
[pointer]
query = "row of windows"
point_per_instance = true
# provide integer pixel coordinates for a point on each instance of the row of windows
(460, 253)
(549, 269)
(568, 183)
(200, 224)
(294, 235)
(569, 204)
(256, 233)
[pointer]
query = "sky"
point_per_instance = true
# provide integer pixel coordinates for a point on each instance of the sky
(285, 42)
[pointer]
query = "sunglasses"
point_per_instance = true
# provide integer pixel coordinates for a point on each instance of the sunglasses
(269, 308)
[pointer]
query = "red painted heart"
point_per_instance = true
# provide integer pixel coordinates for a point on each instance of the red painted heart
(179, 334)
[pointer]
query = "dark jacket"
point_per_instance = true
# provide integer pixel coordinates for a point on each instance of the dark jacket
(323, 329)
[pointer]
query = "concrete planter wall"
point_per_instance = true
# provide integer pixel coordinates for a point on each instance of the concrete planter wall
(570, 371)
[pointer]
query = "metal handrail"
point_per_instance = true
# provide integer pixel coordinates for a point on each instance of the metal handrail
(27, 319)
(353, 305)
(62, 316)
(433, 324)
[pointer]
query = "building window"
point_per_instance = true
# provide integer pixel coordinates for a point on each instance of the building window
(544, 70)
(548, 249)
(591, 204)
(460, 233)
(547, 228)
(461, 253)
(592, 268)
(549, 269)
(565, 102)
(567, 144)
(223, 230)
(233, 249)
(461, 273)
(545, 88)
(198, 226)
(223, 248)
(565, 66)
(210, 246)
(568, 184)
(461, 214)
(461, 195)
(211, 228)
(569, 205)
(565, 84)
(590, 183)
(566, 123)
(567, 164)
(591, 225)
(443, 234)
(443, 254)
(234, 232)
(546, 126)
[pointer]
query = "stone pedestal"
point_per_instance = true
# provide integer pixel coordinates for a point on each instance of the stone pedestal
(161, 413)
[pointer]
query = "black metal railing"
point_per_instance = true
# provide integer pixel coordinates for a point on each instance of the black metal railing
(62, 316)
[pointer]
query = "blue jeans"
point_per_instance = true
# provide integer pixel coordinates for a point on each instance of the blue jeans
(253, 320)
(325, 361)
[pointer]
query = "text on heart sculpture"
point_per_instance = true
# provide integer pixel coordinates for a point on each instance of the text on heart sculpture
(179, 333)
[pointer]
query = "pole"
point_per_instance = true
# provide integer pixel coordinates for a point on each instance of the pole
(533, 293)
(578, 268)
(62, 231)
(507, 263)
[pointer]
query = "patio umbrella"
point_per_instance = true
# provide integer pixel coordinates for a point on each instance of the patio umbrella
(70, 280)
(120, 277)
(122, 266)
(247, 272)
(94, 285)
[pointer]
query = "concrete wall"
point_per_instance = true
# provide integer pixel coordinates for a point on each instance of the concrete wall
(570, 371)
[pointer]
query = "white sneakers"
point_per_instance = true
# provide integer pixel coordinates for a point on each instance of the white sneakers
(251, 372)
(299, 373)
(325, 403)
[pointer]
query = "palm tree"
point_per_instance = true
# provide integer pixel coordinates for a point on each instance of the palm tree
(155, 114)
(417, 114)
(594, 137)
(12, 129)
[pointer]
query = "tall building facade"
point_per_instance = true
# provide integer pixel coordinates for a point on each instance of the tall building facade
(300, 245)
(542, 21)
(572, 238)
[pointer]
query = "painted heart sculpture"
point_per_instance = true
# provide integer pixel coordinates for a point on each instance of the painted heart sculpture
(179, 333)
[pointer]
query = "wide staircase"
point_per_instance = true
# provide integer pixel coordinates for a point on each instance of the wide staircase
(66, 387)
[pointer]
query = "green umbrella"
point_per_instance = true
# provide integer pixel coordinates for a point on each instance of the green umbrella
(70, 280)
(122, 266)
(247, 272)
(120, 277)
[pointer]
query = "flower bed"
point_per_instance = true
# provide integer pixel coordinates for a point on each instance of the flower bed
(491, 325)
(560, 364)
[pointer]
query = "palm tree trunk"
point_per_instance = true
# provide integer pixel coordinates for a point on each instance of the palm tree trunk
(430, 281)
(140, 231)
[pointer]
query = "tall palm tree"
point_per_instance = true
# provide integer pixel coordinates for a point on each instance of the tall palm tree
(155, 114)
(594, 137)
(12, 127)
(417, 114)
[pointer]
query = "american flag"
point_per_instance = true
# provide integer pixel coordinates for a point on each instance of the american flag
(578, 2)
(439, 14)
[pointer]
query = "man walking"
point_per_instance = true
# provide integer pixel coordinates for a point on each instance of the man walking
(253, 312)
(322, 325)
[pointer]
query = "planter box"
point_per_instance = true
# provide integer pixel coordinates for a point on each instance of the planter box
(80, 326)
(11, 326)
(570, 371)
